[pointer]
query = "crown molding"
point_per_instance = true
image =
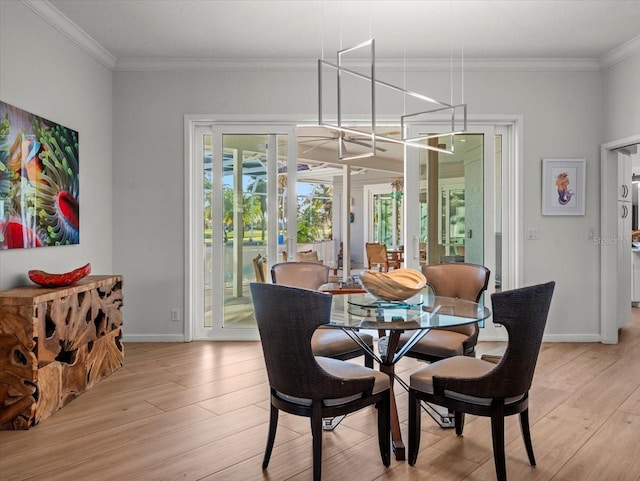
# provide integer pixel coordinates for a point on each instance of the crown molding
(78, 36)
(388, 65)
(618, 54)
(61, 23)
(210, 64)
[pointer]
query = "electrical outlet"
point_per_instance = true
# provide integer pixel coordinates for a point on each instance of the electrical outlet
(175, 314)
(534, 234)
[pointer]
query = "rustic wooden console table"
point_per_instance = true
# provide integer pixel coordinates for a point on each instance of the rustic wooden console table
(55, 343)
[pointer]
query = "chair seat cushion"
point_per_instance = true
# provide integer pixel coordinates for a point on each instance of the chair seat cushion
(437, 343)
(455, 367)
(344, 369)
(331, 342)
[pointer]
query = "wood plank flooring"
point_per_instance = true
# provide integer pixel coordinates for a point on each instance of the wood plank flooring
(199, 411)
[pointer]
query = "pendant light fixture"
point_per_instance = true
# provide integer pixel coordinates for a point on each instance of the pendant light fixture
(456, 115)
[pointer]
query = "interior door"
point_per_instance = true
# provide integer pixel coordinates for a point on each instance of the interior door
(244, 229)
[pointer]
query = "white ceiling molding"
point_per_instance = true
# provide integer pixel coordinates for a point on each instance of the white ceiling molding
(217, 65)
(61, 22)
(78, 36)
(620, 53)
(388, 65)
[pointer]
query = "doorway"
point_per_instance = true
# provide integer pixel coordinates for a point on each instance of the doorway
(613, 309)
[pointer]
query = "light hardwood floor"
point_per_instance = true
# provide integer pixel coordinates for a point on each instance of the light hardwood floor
(200, 411)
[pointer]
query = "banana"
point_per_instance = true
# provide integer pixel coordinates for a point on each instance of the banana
(47, 279)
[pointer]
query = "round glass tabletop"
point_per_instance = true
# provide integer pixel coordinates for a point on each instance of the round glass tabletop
(424, 311)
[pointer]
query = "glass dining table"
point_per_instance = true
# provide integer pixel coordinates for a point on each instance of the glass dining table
(418, 314)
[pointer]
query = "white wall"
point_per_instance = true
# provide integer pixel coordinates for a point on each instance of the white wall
(621, 99)
(561, 119)
(562, 114)
(42, 72)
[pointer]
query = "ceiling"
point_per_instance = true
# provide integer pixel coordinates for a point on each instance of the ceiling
(133, 33)
(295, 29)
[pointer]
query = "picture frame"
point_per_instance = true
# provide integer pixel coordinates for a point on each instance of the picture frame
(563, 187)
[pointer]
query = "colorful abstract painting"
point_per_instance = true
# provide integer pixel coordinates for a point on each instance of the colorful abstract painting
(39, 181)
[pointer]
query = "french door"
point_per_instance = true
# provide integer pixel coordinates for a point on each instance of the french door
(244, 183)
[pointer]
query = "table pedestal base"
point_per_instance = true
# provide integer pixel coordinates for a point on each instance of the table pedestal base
(396, 436)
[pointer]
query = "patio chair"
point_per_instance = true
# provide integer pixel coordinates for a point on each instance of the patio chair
(377, 255)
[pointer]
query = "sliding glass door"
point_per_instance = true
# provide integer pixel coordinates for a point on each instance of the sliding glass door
(453, 196)
(245, 200)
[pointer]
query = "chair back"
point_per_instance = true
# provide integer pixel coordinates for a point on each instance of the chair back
(523, 312)
(461, 280)
(286, 318)
(260, 268)
(377, 254)
(308, 256)
(308, 275)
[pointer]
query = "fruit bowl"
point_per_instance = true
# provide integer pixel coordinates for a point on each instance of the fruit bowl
(397, 285)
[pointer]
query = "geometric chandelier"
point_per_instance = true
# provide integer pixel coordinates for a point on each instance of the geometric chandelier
(456, 114)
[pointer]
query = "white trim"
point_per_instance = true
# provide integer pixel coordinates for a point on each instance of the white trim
(65, 26)
(153, 338)
(620, 53)
(545, 338)
(387, 65)
(609, 230)
(194, 126)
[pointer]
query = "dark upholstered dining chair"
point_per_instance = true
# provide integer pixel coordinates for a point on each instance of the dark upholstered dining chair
(325, 342)
(308, 385)
(460, 280)
(483, 388)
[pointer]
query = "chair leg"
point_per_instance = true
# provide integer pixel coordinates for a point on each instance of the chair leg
(414, 427)
(384, 428)
(459, 422)
(526, 435)
(497, 433)
(273, 424)
(368, 361)
(316, 433)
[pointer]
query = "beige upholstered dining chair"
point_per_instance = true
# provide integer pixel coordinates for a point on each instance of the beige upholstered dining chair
(461, 280)
(483, 388)
(377, 255)
(309, 275)
(307, 385)
(326, 342)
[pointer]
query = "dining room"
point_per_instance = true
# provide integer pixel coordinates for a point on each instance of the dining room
(188, 405)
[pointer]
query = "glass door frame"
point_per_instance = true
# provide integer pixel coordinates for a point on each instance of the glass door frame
(511, 205)
(194, 207)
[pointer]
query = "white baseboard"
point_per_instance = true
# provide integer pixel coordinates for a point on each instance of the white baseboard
(571, 338)
(153, 338)
(553, 338)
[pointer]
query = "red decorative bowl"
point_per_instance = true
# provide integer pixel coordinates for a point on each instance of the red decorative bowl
(46, 279)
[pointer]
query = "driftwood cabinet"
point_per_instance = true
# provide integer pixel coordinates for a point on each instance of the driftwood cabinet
(55, 343)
